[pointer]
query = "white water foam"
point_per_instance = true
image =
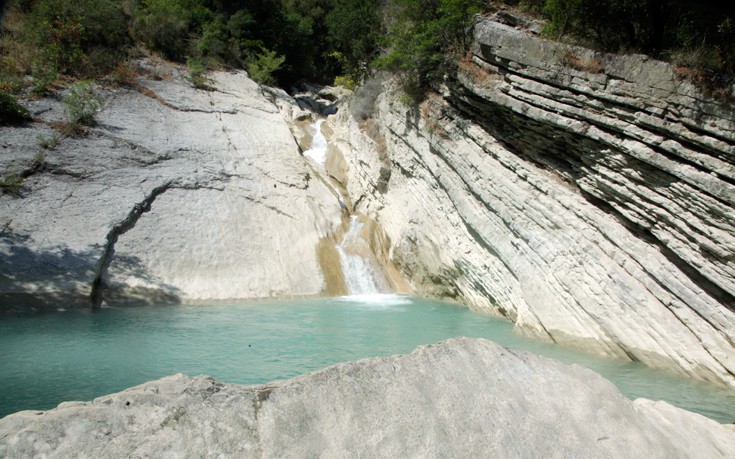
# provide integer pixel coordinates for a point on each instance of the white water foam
(318, 148)
(377, 300)
(360, 277)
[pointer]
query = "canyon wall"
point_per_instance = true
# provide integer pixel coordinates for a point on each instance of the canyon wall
(587, 197)
(177, 194)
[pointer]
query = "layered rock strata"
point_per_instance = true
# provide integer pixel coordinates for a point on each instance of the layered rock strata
(176, 194)
(587, 197)
(460, 398)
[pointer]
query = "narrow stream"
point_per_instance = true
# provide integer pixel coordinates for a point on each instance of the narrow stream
(318, 148)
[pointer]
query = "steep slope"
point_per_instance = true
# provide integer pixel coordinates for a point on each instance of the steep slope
(177, 194)
(588, 198)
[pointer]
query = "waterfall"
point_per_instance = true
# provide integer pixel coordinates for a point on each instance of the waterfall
(361, 272)
(318, 149)
(361, 277)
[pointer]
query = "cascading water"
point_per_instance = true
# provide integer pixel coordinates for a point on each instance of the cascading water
(318, 149)
(361, 272)
(361, 278)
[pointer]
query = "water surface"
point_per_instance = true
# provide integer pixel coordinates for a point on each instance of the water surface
(80, 355)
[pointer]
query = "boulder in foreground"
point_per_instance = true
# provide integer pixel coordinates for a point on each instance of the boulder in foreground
(460, 398)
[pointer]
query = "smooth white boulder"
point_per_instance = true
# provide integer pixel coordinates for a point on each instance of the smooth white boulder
(459, 398)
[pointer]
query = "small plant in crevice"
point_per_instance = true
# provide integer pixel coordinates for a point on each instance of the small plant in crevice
(39, 159)
(47, 143)
(123, 75)
(80, 106)
(11, 184)
(571, 59)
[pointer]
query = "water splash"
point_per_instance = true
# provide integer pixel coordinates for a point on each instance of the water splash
(361, 277)
(318, 149)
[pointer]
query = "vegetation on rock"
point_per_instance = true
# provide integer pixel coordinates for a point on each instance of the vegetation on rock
(80, 106)
(696, 35)
(288, 41)
(11, 112)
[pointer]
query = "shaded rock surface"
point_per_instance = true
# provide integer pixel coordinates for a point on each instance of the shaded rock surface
(459, 398)
(176, 194)
(588, 198)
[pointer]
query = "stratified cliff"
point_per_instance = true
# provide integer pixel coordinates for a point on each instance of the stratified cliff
(587, 197)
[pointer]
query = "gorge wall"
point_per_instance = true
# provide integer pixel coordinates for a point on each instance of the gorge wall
(587, 197)
(176, 194)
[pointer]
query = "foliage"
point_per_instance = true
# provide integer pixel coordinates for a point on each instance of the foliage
(11, 184)
(262, 66)
(353, 74)
(44, 77)
(196, 74)
(81, 105)
(122, 75)
(163, 26)
(51, 38)
(697, 35)
(421, 37)
(47, 143)
(343, 41)
(11, 112)
(353, 32)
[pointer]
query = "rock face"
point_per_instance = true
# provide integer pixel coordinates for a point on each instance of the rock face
(460, 398)
(177, 194)
(588, 198)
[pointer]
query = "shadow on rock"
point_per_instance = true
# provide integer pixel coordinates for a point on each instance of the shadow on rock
(53, 278)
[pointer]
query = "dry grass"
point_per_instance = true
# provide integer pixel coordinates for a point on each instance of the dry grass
(432, 113)
(123, 74)
(17, 55)
(476, 74)
(570, 59)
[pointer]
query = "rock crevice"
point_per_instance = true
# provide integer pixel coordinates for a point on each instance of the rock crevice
(112, 237)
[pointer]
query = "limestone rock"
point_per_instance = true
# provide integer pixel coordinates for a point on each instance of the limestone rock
(177, 194)
(588, 198)
(459, 398)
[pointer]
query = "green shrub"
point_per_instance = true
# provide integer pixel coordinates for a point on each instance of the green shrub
(262, 66)
(77, 37)
(196, 74)
(47, 143)
(44, 76)
(81, 104)
(11, 112)
(11, 184)
(424, 37)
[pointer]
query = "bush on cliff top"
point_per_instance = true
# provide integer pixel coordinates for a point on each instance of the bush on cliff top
(698, 34)
(322, 39)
